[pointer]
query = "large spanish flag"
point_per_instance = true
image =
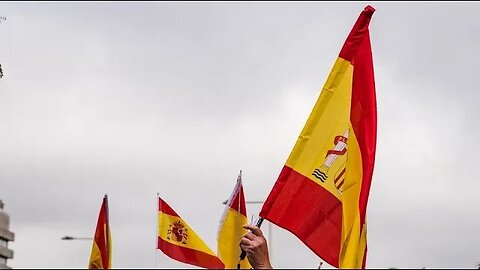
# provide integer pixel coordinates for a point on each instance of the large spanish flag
(231, 228)
(101, 255)
(322, 191)
(178, 241)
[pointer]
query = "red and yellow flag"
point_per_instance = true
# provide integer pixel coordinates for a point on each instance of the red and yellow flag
(101, 255)
(322, 191)
(178, 241)
(231, 228)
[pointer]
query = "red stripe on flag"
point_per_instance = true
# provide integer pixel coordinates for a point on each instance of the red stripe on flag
(364, 121)
(364, 117)
(237, 205)
(165, 208)
(306, 209)
(101, 234)
(189, 256)
(357, 34)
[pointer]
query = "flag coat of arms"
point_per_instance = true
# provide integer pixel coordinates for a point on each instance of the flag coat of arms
(322, 191)
(101, 254)
(231, 228)
(177, 240)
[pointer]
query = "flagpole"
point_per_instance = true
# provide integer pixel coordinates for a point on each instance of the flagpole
(270, 245)
(239, 202)
(105, 198)
(258, 224)
(156, 236)
(244, 254)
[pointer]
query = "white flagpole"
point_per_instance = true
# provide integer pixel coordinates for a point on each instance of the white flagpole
(156, 231)
(241, 185)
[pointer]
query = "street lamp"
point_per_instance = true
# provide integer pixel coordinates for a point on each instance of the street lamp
(68, 237)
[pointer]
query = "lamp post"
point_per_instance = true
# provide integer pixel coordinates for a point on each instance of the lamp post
(68, 237)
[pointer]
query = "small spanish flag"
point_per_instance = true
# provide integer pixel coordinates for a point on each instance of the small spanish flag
(322, 191)
(231, 228)
(101, 255)
(178, 241)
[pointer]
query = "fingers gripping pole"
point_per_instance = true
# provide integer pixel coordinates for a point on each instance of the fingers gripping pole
(244, 254)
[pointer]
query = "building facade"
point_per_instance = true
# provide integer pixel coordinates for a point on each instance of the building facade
(5, 236)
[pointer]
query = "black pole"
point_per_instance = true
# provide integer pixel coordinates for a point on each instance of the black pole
(244, 254)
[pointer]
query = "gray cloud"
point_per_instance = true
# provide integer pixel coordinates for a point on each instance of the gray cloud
(131, 99)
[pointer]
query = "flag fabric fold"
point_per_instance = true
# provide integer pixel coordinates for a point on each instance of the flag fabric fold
(177, 240)
(101, 254)
(322, 191)
(231, 228)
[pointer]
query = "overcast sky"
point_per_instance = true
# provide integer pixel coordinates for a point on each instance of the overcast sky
(135, 98)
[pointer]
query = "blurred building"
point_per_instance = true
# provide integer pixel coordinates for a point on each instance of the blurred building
(5, 236)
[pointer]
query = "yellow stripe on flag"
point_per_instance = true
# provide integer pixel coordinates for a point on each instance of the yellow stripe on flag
(229, 235)
(331, 113)
(176, 231)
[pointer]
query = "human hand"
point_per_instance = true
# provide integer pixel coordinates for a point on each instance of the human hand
(255, 246)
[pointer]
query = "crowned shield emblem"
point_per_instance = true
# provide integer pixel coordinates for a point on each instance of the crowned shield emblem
(177, 232)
